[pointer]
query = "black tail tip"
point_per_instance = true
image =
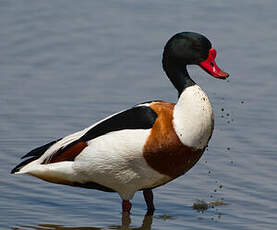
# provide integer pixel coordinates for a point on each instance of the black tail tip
(14, 170)
(22, 164)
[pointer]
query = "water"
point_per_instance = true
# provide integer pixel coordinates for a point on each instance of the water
(66, 64)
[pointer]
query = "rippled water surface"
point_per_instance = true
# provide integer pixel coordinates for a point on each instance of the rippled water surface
(66, 64)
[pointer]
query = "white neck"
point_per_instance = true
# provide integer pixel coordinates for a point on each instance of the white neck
(193, 117)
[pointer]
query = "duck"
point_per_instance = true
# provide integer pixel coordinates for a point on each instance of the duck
(142, 147)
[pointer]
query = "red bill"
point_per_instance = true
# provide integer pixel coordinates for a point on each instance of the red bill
(210, 66)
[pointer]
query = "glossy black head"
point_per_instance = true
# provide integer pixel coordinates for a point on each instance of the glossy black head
(186, 48)
(189, 48)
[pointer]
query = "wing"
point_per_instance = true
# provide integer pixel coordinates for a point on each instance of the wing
(138, 117)
(66, 149)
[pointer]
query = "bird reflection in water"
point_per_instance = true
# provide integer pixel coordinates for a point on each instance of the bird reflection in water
(126, 221)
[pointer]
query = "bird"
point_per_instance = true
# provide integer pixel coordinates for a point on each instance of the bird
(144, 146)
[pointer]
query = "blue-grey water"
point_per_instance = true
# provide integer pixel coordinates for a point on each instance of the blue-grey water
(66, 64)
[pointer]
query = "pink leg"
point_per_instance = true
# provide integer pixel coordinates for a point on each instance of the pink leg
(126, 206)
(148, 197)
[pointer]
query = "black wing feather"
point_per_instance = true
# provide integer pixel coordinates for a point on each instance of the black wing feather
(140, 117)
(33, 155)
(40, 150)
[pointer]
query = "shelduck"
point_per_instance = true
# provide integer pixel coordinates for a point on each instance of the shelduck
(142, 147)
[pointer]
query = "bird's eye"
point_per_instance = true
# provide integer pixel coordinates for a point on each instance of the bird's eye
(212, 64)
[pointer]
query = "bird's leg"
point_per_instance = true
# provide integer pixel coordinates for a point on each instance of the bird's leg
(126, 206)
(148, 197)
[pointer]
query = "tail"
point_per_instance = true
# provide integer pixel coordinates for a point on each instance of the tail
(32, 156)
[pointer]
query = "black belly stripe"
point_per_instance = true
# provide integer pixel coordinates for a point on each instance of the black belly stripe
(93, 185)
